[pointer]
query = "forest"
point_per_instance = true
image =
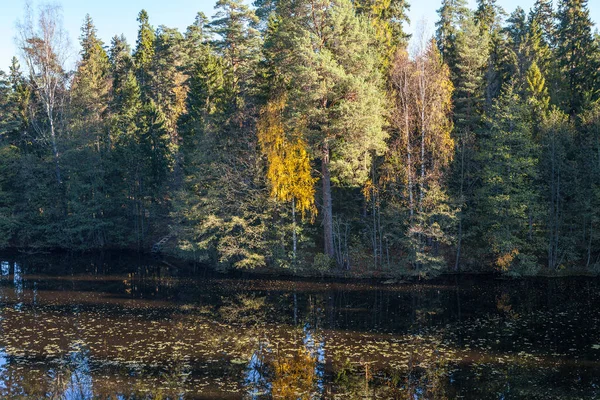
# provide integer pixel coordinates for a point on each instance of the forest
(312, 135)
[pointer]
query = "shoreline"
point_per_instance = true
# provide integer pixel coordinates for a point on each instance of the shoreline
(381, 275)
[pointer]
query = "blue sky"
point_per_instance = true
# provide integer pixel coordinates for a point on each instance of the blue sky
(119, 16)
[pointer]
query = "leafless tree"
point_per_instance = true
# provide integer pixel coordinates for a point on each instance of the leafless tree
(44, 48)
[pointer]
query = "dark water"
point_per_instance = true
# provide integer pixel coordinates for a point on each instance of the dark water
(123, 327)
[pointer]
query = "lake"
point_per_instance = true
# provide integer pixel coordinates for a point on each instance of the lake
(123, 326)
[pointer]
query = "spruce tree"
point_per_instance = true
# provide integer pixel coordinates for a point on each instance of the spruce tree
(451, 16)
(543, 15)
(576, 54)
(8, 161)
(144, 52)
(488, 16)
(472, 51)
(89, 140)
(506, 199)
(237, 43)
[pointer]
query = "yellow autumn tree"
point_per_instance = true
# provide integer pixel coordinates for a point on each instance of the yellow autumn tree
(288, 169)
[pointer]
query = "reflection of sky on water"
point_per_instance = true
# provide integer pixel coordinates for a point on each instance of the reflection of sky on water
(3, 364)
(316, 349)
(80, 383)
(255, 381)
(4, 271)
(18, 282)
(18, 279)
(5, 268)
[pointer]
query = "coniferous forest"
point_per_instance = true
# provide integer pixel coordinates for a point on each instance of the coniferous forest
(312, 135)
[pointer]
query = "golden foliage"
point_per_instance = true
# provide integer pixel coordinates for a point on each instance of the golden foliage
(504, 261)
(289, 170)
(422, 118)
(434, 102)
(294, 376)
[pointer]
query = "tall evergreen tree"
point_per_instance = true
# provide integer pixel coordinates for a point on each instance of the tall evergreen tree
(169, 80)
(451, 16)
(543, 15)
(197, 36)
(472, 51)
(237, 43)
(144, 52)
(576, 55)
(507, 199)
(387, 17)
(89, 140)
(8, 160)
(488, 16)
(336, 97)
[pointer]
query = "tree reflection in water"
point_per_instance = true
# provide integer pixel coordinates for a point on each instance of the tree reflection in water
(70, 329)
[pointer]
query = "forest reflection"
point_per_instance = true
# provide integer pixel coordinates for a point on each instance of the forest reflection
(79, 328)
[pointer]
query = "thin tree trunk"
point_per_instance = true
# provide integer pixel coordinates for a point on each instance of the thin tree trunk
(411, 201)
(374, 236)
(54, 145)
(461, 194)
(422, 186)
(557, 217)
(589, 255)
(327, 203)
(551, 249)
(380, 232)
(409, 173)
(294, 234)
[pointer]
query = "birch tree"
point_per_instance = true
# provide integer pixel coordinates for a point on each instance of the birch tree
(44, 48)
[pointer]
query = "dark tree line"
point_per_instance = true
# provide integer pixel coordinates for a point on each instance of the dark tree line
(310, 134)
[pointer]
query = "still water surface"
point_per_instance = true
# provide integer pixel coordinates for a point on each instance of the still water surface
(121, 326)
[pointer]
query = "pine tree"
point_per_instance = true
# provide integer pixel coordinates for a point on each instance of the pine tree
(517, 27)
(169, 80)
(17, 95)
(558, 183)
(91, 84)
(228, 216)
(128, 155)
(580, 191)
(469, 78)
(488, 17)
(538, 96)
(196, 39)
(387, 17)
(335, 91)
(121, 63)
(264, 10)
